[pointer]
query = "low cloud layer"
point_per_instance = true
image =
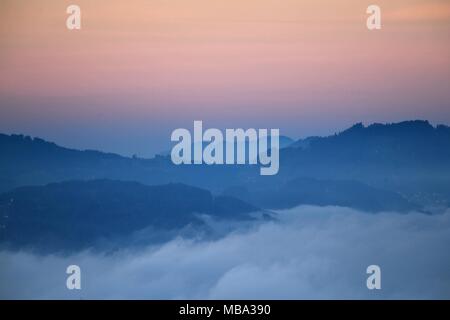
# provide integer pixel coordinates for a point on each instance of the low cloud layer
(310, 253)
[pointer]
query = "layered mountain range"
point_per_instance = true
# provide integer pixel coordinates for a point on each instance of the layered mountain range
(73, 198)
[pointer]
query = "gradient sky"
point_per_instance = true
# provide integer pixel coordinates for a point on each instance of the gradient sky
(140, 68)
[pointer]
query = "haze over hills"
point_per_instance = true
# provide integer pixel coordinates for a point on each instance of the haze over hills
(58, 198)
(81, 214)
(410, 160)
(411, 157)
(345, 193)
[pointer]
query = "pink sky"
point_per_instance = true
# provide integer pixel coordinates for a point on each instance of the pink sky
(144, 67)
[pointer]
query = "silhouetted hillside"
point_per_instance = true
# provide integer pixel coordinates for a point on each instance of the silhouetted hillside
(410, 158)
(78, 214)
(310, 191)
(27, 161)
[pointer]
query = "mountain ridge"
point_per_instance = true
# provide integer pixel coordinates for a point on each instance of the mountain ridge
(78, 214)
(410, 158)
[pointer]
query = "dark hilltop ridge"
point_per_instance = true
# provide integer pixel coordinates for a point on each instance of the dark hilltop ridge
(410, 158)
(53, 196)
(83, 214)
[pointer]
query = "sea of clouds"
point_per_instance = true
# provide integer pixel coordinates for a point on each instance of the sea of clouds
(307, 253)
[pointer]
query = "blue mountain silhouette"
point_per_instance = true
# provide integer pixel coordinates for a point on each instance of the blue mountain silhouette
(79, 214)
(410, 160)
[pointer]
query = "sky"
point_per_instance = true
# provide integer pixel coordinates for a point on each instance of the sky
(139, 69)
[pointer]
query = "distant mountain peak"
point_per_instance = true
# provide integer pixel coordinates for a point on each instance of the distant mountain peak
(411, 126)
